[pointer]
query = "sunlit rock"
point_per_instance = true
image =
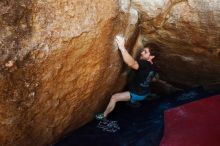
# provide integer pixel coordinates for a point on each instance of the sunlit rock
(189, 35)
(59, 65)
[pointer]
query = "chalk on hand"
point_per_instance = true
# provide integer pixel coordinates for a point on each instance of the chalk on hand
(119, 36)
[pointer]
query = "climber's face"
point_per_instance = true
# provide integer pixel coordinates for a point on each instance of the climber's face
(145, 55)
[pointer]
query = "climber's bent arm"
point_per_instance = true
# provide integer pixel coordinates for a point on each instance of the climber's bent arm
(128, 59)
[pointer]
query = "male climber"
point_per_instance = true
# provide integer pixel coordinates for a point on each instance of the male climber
(145, 72)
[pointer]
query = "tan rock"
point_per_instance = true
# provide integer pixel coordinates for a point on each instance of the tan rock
(59, 65)
(189, 35)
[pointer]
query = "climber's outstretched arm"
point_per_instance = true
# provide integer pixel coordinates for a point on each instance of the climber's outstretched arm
(128, 59)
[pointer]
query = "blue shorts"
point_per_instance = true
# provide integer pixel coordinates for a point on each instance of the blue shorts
(135, 97)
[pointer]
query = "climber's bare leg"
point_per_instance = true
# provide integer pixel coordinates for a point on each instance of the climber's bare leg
(123, 96)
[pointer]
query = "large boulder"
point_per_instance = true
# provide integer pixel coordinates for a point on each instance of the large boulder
(59, 65)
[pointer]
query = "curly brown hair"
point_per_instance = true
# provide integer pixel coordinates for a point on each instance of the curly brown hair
(153, 48)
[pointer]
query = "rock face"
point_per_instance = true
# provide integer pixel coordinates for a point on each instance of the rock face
(59, 63)
(189, 35)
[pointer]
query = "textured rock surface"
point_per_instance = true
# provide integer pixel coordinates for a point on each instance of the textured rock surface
(189, 33)
(59, 65)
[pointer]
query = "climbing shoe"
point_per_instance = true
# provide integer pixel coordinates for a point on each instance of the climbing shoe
(100, 116)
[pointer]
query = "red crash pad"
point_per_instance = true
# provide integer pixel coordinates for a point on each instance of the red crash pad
(193, 124)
